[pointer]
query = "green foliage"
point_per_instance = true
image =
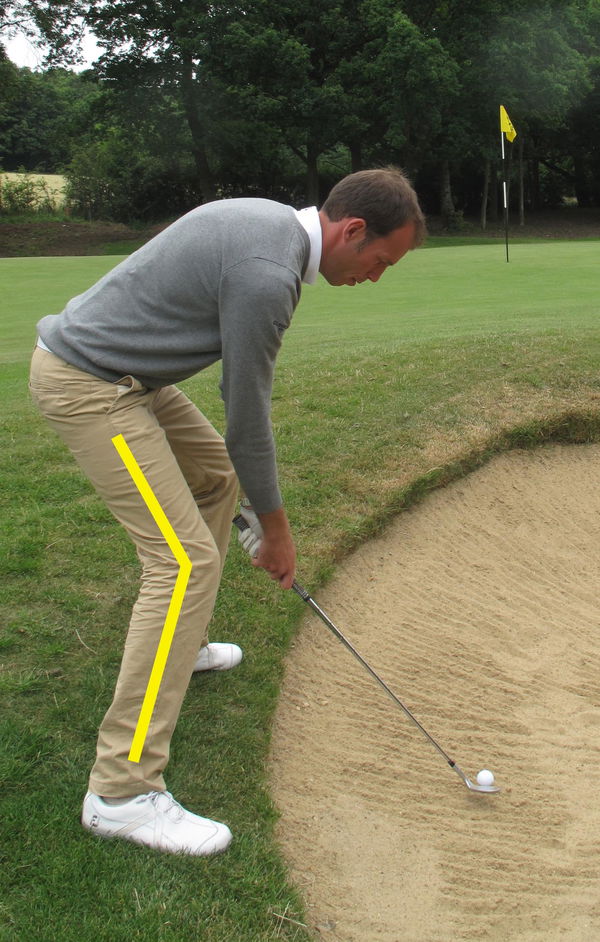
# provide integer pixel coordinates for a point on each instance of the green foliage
(25, 195)
(42, 116)
(52, 22)
(134, 162)
(108, 179)
(195, 101)
(429, 76)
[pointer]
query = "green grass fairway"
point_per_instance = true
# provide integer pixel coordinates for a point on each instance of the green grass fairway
(462, 291)
(32, 287)
(446, 292)
(382, 392)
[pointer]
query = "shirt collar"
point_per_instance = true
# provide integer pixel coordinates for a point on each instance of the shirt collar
(309, 219)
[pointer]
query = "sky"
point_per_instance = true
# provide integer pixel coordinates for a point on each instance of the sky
(21, 51)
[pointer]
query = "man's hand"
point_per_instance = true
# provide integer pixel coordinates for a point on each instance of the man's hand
(275, 552)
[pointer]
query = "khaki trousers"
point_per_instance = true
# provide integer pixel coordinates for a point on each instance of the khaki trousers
(185, 462)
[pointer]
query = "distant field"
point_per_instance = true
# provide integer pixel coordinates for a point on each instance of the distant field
(54, 181)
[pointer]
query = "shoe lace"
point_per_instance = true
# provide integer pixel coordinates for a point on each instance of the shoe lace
(168, 805)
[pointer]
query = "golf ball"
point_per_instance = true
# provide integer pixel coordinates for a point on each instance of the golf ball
(485, 777)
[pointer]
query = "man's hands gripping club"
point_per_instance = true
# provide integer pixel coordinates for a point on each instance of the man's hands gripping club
(269, 542)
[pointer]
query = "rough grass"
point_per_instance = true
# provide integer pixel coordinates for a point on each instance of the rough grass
(382, 393)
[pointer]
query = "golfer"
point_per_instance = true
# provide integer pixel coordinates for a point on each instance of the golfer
(221, 283)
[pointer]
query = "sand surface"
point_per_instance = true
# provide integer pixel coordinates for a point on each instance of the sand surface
(481, 610)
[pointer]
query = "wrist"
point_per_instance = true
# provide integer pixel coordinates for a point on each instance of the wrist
(275, 523)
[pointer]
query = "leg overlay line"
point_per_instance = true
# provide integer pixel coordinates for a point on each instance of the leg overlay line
(185, 568)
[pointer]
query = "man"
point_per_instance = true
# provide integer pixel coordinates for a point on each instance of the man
(220, 283)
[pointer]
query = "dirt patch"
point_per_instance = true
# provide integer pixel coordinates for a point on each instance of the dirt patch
(480, 609)
(28, 239)
(566, 223)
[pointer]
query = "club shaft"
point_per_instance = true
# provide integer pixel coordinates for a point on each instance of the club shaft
(304, 595)
(242, 525)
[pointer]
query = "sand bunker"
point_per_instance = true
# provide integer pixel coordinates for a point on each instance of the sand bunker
(481, 609)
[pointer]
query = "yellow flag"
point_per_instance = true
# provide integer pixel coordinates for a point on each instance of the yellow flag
(506, 124)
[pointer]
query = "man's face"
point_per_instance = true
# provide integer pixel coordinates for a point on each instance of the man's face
(351, 262)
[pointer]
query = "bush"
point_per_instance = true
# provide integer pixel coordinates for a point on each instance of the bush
(109, 180)
(25, 195)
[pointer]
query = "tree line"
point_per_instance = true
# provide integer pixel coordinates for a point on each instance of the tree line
(193, 100)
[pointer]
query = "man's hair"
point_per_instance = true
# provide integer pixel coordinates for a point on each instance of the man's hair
(384, 198)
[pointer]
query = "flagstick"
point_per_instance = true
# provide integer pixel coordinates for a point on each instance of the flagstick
(505, 194)
(505, 191)
(506, 128)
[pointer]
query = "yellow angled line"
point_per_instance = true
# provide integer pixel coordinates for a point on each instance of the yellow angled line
(185, 568)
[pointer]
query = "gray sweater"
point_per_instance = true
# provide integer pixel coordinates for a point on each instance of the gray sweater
(220, 283)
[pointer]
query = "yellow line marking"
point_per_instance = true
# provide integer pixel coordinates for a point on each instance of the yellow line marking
(185, 568)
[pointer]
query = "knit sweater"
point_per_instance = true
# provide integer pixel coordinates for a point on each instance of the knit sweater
(220, 283)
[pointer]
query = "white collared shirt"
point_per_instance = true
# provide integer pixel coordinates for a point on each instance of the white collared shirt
(309, 219)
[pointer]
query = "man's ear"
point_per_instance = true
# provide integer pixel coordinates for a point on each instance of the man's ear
(355, 229)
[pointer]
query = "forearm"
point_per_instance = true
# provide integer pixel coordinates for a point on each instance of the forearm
(255, 463)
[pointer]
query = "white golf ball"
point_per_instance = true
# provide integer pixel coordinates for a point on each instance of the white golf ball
(485, 777)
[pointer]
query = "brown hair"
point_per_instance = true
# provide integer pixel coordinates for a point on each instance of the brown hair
(384, 198)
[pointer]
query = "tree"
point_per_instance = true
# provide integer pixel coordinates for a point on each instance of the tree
(529, 58)
(134, 163)
(263, 94)
(42, 116)
(583, 136)
(54, 24)
(290, 62)
(419, 88)
(163, 43)
(542, 75)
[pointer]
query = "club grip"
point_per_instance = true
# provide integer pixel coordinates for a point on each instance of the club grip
(242, 525)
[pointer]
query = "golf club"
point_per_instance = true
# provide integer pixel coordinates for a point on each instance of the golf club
(242, 525)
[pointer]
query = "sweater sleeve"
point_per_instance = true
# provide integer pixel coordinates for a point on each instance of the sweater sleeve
(256, 303)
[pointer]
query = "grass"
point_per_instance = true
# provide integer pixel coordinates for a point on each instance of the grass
(33, 287)
(382, 392)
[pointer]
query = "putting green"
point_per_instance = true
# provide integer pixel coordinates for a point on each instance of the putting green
(453, 294)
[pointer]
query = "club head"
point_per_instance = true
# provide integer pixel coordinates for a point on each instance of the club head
(475, 787)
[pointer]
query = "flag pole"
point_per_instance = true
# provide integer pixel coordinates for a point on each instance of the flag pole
(506, 130)
(504, 189)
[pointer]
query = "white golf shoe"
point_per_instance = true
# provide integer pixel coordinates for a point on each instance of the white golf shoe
(155, 820)
(218, 657)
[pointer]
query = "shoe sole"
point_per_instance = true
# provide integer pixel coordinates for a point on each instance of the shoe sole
(161, 850)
